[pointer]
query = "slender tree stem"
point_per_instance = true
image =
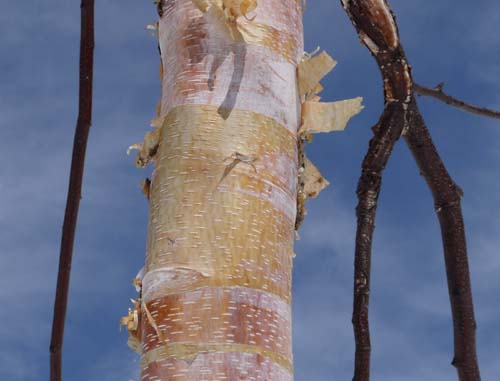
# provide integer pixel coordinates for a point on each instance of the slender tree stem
(438, 93)
(377, 29)
(386, 133)
(447, 197)
(75, 185)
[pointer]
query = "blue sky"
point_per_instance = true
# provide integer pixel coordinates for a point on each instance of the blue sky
(450, 41)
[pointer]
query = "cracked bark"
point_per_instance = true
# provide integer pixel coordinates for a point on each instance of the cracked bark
(377, 28)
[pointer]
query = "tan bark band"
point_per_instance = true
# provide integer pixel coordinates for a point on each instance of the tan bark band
(213, 366)
(188, 352)
(215, 169)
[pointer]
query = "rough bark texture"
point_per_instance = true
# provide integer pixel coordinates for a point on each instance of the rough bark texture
(216, 290)
(377, 29)
(75, 186)
(376, 26)
(447, 197)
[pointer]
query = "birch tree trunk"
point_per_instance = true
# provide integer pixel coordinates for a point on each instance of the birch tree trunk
(216, 291)
(239, 100)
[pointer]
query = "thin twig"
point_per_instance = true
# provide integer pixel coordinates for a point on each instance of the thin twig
(75, 186)
(438, 93)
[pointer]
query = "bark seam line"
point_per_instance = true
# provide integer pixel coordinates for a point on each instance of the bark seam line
(188, 352)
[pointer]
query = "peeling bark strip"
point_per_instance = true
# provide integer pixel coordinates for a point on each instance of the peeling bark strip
(316, 117)
(217, 283)
(376, 26)
(75, 186)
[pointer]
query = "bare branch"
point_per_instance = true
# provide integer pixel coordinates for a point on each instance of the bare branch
(438, 93)
(75, 186)
(447, 197)
(377, 28)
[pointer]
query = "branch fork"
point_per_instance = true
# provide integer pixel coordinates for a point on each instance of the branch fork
(377, 28)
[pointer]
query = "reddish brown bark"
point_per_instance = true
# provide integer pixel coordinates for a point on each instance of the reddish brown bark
(75, 186)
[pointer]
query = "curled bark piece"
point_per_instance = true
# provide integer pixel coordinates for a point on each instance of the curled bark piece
(226, 13)
(132, 321)
(157, 122)
(239, 29)
(216, 14)
(233, 160)
(327, 117)
(311, 70)
(202, 5)
(232, 8)
(147, 149)
(237, 8)
(314, 182)
(317, 117)
(137, 283)
(311, 183)
(174, 279)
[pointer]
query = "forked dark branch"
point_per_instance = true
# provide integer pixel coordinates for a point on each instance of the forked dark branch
(75, 186)
(377, 28)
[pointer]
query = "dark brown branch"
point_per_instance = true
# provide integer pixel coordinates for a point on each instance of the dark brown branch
(377, 29)
(75, 186)
(438, 93)
(447, 197)
(386, 132)
(376, 26)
